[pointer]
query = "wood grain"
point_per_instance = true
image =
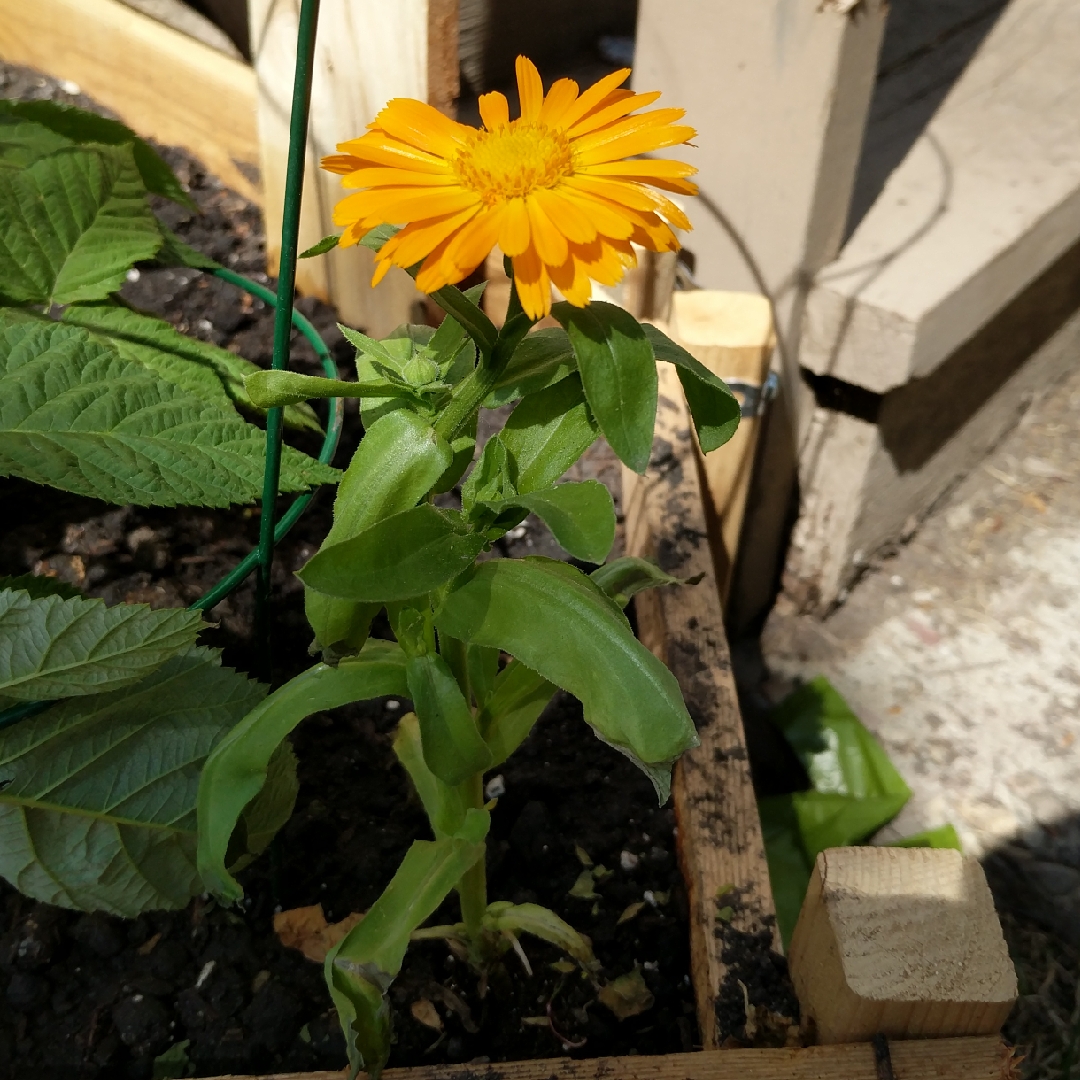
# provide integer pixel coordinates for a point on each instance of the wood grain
(719, 834)
(901, 941)
(938, 1059)
(160, 82)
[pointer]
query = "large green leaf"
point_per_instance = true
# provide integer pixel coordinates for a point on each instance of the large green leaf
(360, 969)
(97, 794)
(622, 579)
(547, 433)
(543, 358)
(39, 585)
(714, 408)
(618, 372)
(75, 415)
(452, 746)
(519, 696)
(74, 224)
(398, 461)
(444, 805)
(23, 141)
(215, 375)
(53, 647)
(401, 557)
(235, 773)
(557, 622)
(581, 516)
(65, 125)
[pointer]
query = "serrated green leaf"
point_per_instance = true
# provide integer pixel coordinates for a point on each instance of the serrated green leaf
(23, 141)
(361, 968)
(75, 223)
(97, 795)
(327, 243)
(543, 358)
(618, 372)
(236, 771)
(53, 648)
(713, 407)
(78, 126)
(213, 374)
(39, 585)
(546, 433)
(559, 624)
(398, 558)
(75, 415)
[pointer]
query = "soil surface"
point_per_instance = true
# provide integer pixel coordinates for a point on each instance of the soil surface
(89, 996)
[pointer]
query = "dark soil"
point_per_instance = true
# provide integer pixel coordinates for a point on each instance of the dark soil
(93, 996)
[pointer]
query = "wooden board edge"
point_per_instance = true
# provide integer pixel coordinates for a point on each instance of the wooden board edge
(165, 85)
(986, 1058)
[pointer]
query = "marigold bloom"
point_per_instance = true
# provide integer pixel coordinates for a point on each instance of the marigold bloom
(553, 188)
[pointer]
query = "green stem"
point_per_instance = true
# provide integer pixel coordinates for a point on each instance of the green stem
(472, 889)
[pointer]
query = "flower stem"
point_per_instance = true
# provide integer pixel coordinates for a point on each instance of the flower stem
(472, 889)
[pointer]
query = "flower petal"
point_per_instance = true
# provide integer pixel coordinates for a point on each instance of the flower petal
(560, 98)
(515, 232)
(533, 284)
(474, 242)
(395, 205)
(627, 193)
(607, 220)
(494, 109)
(530, 89)
(571, 221)
(422, 125)
(376, 176)
(550, 244)
(610, 113)
(656, 118)
(595, 94)
(640, 142)
(572, 280)
(383, 150)
(420, 238)
(341, 163)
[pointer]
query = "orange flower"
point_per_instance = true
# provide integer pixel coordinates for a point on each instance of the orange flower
(554, 188)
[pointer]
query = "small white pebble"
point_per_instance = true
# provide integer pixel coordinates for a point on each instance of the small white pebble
(205, 974)
(70, 87)
(133, 274)
(516, 534)
(628, 860)
(136, 998)
(650, 965)
(393, 705)
(650, 897)
(495, 788)
(205, 325)
(896, 581)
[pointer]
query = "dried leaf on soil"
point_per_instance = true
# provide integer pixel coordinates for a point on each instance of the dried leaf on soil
(306, 929)
(627, 995)
(426, 1013)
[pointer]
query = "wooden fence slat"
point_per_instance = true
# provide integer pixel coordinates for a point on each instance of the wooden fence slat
(720, 843)
(160, 82)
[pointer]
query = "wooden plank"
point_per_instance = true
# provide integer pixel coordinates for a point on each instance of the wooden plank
(937, 1059)
(985, 198)
(900, 942)
(779, 94)
(732, 335)
(160, 82)
(366, 53)
(719, 838)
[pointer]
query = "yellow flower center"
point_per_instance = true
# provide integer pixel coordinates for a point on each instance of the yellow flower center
(513, 160)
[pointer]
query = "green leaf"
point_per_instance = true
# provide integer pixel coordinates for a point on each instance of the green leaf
(273, 389)
(174, 252)
(490, 479)
(399, 459)
(622, 579)
(97, 794)
(518, 698)
(452, 746)
(713, 406)
(269, 811)
(53, 648)
(581, 516)
(944, 836)
(215, 375)
(444, 805)
(75, 415)
(557, 622)
(173, 1063)
(69, 125)
(542, 923)
(547, 433)
(327, 243)
(404, 556)
(77, 220)
(463, 447)
(618, 372)
(235, 772)
(361, 968)
(543, 358)
(482, 664)
(23, 141)
(39, 586)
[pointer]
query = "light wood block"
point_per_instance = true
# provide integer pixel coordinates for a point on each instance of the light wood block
(366, 52)
(900, 942)
(720, 844)
(160, 82)
(940, 1059)
(732, 335)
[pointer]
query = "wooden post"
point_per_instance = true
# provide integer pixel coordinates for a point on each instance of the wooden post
(732, 335)
(160, 82)
(366, 53)
(720, 843)
(900, 942)
(779, 92)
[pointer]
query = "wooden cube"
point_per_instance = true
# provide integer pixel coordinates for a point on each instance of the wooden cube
(902, 942)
